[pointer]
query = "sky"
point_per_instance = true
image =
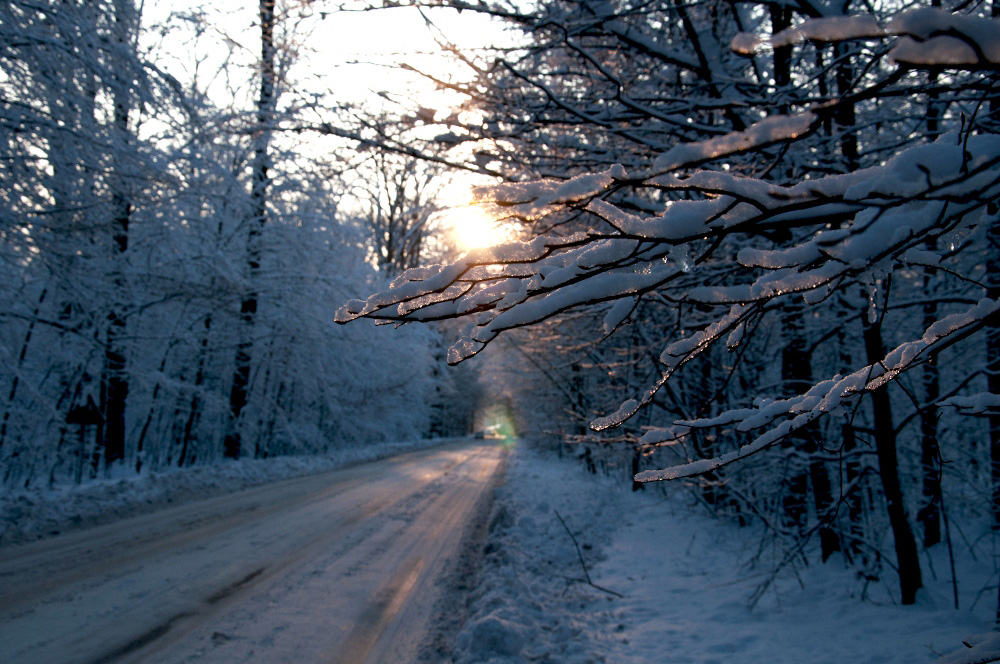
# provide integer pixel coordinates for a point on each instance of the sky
(353, 54)
(362, 51)
(353, 51)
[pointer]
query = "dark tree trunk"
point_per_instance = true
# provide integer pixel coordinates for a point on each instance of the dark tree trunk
(796, 369)
(993, 332)
(15, 379)
(195, 411)
(845, 115)
(114, 381)
(577, 392)
(114, 392)
(704, 444)
(795, 374)
(993, 363)
(885, 447)
(258, 200)
(853, 479)
(855, 492)
(141, 440)
(781, 18)
(636, 458)
(929, 515)
(822, 487)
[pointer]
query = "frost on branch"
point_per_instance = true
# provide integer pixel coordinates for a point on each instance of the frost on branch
(935, 38)
(618, 314)
(983, 403)
(761, 134)
(928, 37)
(533, 200)
(923, 192)
(830, 395)
(689, 234)
(826, 29)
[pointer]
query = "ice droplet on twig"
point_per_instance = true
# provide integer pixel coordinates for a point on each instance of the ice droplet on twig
(874, 287)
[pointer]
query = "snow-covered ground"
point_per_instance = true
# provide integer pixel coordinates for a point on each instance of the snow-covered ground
(682, 577)
(30, 514)
(685, 586)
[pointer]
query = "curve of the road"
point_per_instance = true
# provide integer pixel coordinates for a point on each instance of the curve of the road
(342, 566)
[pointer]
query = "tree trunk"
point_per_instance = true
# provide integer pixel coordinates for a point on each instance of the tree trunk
(885, 447)
(15, 380)
(141, 440)
(114, 382)
(781, 18)
(794, 369)
(704, 443)
(853, 497)
(804, 447)
(993, 363)
(993, 332)
(854, 480)
(822, 487)
(195, 411)
(258, 217)
(993, 339)
(845, 115)
(929, 515)
(114, 392)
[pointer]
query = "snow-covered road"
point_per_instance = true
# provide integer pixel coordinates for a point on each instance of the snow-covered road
(341, 566)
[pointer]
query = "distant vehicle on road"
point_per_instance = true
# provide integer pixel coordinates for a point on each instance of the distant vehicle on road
(492, 431)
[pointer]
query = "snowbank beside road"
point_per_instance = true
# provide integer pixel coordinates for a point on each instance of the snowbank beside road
(685, 587)
(530, 603)
(36, 513)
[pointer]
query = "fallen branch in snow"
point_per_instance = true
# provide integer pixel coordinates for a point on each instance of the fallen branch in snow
(579, 554)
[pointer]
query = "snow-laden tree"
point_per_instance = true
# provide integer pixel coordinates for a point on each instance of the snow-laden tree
(395, 195)
(131, 205)
(71, 86)
(691, 224)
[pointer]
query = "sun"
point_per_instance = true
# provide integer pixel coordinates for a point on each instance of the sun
(471, 228)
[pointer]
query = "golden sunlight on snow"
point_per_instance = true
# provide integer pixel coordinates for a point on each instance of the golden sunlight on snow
(471, 228)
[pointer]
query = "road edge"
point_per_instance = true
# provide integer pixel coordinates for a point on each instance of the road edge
(461, 577)
(31, 516)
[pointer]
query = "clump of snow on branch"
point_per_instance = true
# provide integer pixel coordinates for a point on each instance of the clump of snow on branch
(928, 37)
(976, 404)
(769, 130)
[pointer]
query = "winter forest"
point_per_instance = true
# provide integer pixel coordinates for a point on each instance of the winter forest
(747, 251)
(171, 265)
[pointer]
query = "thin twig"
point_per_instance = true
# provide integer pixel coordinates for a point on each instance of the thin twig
(579, 554)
